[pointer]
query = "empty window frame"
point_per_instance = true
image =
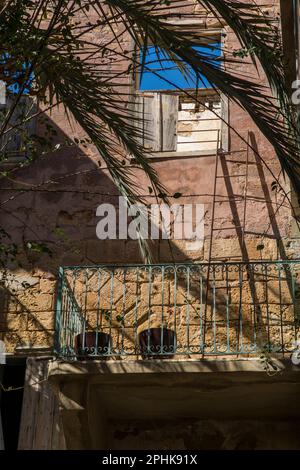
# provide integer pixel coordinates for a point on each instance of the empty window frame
(13, 144)
(179, 114)
(160, 73)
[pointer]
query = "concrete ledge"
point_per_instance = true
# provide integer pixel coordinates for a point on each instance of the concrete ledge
(78, 368)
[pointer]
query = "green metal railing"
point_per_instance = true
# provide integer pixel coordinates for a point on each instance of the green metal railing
(197, 310)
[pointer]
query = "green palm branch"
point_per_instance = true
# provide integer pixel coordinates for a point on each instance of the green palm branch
(70, 67)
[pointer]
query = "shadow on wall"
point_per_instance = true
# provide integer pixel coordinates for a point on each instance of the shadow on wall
(60, 213)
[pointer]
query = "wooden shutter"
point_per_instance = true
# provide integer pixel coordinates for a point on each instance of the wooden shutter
(156, 117)
(147, 120)
(169, 116)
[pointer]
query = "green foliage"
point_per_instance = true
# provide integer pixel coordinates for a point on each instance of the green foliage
(38, 247)
(8, 249)
(80, 63)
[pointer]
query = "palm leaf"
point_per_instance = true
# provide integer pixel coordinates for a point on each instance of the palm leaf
(70, 68)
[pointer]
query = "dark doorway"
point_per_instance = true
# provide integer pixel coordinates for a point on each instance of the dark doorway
(12, 375)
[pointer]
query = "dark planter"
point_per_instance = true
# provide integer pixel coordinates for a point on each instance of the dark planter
(150, 343)
(86, 344)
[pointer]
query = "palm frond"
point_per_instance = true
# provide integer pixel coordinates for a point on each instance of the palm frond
(256, 32)
(71, 68)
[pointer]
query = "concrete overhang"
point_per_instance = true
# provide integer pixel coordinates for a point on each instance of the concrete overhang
(101, 370)
(223, 389)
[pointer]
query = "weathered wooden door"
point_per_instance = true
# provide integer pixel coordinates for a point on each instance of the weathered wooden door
(156, 117)
(40, 427)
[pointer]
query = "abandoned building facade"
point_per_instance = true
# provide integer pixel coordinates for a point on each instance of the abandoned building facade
(191, 351)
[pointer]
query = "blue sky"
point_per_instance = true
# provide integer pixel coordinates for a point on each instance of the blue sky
(168, 70)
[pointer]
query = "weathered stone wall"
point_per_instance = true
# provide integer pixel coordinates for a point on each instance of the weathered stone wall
(61, 191)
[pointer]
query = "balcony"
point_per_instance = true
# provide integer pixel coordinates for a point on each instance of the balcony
(181, 311)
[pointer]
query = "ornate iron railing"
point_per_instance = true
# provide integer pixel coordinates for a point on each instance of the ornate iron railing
(196, 310)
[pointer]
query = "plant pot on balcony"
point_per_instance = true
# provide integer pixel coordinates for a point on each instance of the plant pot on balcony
(157, 343)
(91, 345)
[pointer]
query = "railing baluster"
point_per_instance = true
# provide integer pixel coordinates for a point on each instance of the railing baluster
(68, 319)
(61, 321)
(267, 306)
(175, 310)
(149, 309)
(241, 339)
(68, 307)
(227, 310)
(214, 308)
(85, 310)
(251, 270)
(188, 310)
(73, 322)
(295, 300)
(98, 310)
(60, 314)
(101, 311)
(66, 311)
(281, 308)
(162, 310)
(123, 312)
